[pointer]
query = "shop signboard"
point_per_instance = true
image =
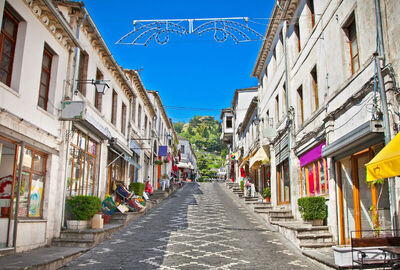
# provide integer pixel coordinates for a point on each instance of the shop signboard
(78, 111)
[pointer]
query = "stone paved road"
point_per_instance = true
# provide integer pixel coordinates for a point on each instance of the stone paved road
(199, 227)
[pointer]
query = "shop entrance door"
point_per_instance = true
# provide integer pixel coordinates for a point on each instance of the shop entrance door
(283, 183)
(357, 200)
(8, 157)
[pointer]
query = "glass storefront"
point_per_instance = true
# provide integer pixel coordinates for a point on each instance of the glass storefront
(82, 160)
(30, 192)
(314, 178)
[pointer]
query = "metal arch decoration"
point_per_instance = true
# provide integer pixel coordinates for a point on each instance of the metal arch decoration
(160, 30)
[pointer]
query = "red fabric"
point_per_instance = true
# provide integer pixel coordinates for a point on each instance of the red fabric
(148, 188)
(242, 172)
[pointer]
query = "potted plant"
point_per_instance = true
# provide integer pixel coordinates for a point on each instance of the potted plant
(242, 185)
(267, 194)
(157, 162)
(82, 208)
(137, 188)
(313, 209)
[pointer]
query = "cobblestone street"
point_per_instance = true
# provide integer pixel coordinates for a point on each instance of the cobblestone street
(199, 227)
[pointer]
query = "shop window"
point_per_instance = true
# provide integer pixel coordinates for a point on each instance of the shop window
(114, 107)
(32, 183)
(98, 98)
(314, 177)
(116, 170)
(82, 72)
(123, 119)
(45, 79)
(81, 170)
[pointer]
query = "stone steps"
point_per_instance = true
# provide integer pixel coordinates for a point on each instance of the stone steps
(316, 245)
(73, 242)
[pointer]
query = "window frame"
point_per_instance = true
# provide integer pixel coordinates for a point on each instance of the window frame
(314, 86)
(114, 107)
(123, 118)
(13, 39)
(47, 70)
(31, 171)
(98, 98)
(82, 72)
(300, 99)
(350, 25)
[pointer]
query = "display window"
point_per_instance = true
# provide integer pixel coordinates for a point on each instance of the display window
(314, 178)
(81, 171)
(32, 183)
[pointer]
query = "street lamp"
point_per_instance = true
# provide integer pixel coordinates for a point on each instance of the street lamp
(100, 85)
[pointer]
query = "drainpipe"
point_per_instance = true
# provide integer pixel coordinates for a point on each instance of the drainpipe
(284, 37)
(379, 55)
(21, 158)
(69, 130)
(233, 142)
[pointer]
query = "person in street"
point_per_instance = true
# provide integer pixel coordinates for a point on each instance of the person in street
(247, 188)
(148, 188)
(164, 182)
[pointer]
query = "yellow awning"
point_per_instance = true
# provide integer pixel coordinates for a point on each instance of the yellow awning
(386, 163)
(246, 158)
(261, 157)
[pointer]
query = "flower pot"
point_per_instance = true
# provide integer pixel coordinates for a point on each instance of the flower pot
(78, 224)
(267, 199)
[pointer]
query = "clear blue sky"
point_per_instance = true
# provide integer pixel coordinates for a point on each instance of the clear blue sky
(189, 71)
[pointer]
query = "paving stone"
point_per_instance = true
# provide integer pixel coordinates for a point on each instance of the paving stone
(199, 228)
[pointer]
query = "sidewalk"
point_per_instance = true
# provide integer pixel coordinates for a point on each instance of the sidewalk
(53, 257)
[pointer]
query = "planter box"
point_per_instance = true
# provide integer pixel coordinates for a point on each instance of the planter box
(78, 224)
(315, 222)
(343, 256)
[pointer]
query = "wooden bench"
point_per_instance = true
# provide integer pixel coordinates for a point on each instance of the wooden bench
(369, 254)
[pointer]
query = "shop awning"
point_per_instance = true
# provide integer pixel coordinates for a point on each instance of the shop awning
(261, 157)
(131, 161)
(246, 159)
(386, 163)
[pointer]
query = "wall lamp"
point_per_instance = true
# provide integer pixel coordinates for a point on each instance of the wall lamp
(256, 121)
(100, 85)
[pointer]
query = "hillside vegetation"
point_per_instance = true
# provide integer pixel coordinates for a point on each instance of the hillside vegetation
(204, 132)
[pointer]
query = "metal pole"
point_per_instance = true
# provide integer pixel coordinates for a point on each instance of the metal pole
(284, 37)
(391, 184)
(21, 158)
(386, 122)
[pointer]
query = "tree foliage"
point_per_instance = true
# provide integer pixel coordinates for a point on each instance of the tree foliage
(204, 133)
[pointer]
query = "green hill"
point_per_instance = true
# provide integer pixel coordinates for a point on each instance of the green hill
(204, 132)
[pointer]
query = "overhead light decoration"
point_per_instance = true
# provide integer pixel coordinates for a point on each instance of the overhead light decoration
(145, 31)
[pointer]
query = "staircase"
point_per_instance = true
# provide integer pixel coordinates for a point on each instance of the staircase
(85, 238)
(303, 235)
